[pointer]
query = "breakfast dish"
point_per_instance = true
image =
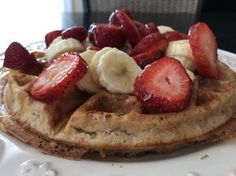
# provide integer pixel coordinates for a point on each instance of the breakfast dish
(123, 88)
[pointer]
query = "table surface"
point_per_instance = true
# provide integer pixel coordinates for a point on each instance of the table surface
(28, 21)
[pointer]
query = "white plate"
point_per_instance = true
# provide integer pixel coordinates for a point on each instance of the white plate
(218, 159)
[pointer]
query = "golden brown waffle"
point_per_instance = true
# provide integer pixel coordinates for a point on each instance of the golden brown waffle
(115, 124)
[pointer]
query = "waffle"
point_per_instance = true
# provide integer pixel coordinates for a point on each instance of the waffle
(111, 124)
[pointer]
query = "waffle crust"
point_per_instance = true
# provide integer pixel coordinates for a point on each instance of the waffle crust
(109, 123)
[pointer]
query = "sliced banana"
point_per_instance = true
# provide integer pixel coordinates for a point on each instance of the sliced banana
(87, 83)
(115, 70)
(60, 46)
(190, 74)
(186, 62)
(181, 49)
(163, 29)
(94, 63)
(57, 39)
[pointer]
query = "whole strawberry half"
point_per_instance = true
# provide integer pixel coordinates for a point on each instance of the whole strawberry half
(163, 86)
(153, 42)
(129, 27)
(58, 77)
(204, 49)
(18, 57)
(102, 35)
(76, 32)
(49, 37)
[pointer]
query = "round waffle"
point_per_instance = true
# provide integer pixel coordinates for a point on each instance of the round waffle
(115, 124)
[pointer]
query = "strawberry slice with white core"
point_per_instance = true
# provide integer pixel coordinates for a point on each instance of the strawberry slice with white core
(163, 86)
(61, 74)
(204, 49)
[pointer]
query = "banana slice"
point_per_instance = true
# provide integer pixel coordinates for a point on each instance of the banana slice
(181, 49)
(87, 44)
(94, 63)
(87, 83)
(57, 39)
(163, 29)
(186, 62)
(60, 46)
(190, 74)
(115, 70)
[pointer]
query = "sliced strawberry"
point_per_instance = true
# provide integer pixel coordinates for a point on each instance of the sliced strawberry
(76, 32)
(148, 29)
(60, 75)
(130, 29)
(146, 58)
(113, 19)
(163, 86)
(49, 37)
(152, 43)
(35, 69)
(204, 49)
(138, 24)
(17, 57)
(102, 35)
(175, 35)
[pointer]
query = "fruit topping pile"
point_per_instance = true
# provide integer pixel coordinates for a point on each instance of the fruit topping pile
(155, 63)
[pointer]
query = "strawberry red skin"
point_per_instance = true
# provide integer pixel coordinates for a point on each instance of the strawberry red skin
(129, 27)
(204, 49)
(47, 88)
(175, 35)
(76, 32)
(17, 57)
(152, 43)
(138, 24)
(148, 29)
(49, 37)
(113, 19)
(103, 35)
(163, 86)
